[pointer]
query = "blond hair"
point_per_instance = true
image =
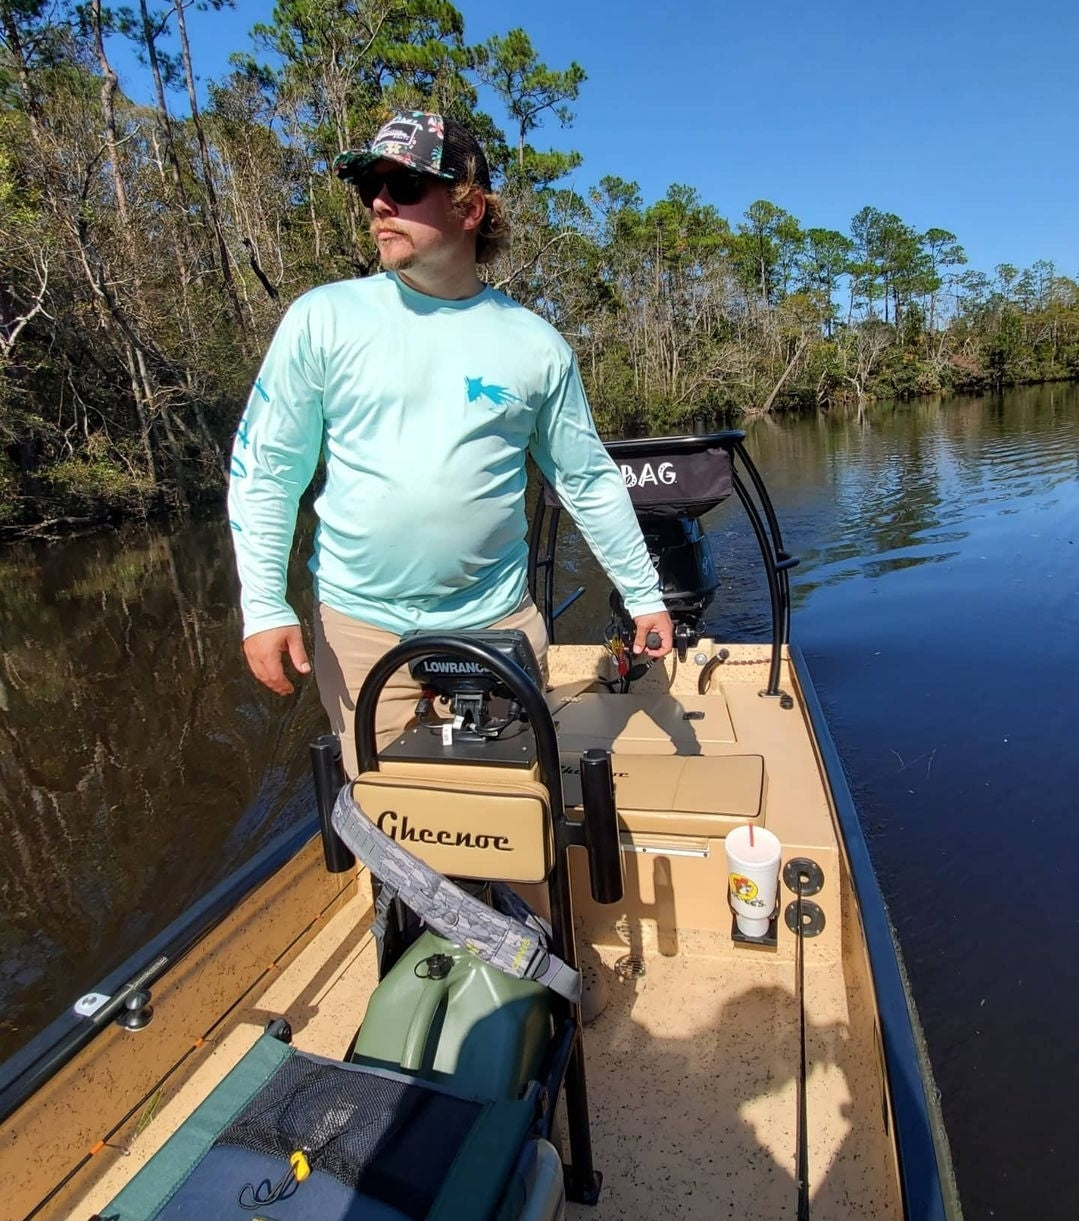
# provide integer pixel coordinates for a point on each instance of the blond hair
(494, 229)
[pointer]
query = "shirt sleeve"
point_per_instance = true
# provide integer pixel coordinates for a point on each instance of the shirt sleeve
(274, 457)
(567, 449)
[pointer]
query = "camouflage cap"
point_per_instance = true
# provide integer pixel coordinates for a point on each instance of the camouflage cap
(429, 143)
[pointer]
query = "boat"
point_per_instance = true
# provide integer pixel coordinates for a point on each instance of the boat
(300, 1045)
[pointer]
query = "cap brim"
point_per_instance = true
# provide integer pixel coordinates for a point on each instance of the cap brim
(349, 164)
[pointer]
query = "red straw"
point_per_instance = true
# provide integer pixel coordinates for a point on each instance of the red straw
(751, 835)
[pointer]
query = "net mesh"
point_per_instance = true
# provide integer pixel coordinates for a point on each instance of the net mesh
(388, 1139)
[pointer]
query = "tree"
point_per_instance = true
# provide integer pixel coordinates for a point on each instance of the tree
(825, 259)
(943, 251)
(24, 250)
(146, 254)
(528, 89)
(33, 37)
(888, 255)
(206, 165)
(766, 248)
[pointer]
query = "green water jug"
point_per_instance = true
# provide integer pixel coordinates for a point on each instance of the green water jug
(445, 1015)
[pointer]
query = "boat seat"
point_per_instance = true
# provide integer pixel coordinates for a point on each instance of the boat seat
(648, 722)
(498, 828)
(694, 795)
(383, 1146)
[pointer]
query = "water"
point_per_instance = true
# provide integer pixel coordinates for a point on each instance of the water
(937, 604)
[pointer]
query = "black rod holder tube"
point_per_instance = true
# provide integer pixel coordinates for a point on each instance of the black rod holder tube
(329, 776)
(601, 826)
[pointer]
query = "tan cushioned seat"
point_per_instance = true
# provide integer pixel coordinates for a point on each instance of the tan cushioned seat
(699, 795)
(501, 831)
(645, 723)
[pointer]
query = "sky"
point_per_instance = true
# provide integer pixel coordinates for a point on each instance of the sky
(955, 115)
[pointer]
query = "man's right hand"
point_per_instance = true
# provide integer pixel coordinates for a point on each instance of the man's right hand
(264, 651)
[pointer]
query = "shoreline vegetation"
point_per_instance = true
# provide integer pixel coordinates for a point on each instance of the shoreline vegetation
(148, 250)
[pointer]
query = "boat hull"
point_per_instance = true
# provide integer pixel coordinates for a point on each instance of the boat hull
(694, 1065)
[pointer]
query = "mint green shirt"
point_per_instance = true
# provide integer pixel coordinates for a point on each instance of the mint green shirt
(425, 410)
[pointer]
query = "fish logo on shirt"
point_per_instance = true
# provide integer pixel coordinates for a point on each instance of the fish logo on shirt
(238, 467)
(499, 396)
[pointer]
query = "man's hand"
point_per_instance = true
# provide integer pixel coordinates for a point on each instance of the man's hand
(659, 623)
(264, 651)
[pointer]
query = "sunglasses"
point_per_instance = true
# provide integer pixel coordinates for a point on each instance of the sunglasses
(402, 186)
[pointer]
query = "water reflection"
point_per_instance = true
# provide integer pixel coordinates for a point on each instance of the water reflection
(907, 486)
(948, 687)
(137, 763)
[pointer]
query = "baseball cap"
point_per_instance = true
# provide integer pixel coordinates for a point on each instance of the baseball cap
(429, 143)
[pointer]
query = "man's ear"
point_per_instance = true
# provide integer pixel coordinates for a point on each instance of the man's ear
(475, 210)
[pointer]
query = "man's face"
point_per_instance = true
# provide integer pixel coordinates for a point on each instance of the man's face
(419, 231)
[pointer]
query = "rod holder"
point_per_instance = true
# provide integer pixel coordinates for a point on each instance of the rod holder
(329, 774)
(601, 826)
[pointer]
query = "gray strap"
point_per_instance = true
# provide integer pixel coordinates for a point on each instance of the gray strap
(507, 943)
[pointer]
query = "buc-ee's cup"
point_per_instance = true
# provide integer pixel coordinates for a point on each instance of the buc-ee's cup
(753, 855)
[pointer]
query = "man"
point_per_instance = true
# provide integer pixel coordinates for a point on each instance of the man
(425, 390)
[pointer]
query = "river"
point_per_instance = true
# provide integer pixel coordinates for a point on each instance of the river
(937, 604)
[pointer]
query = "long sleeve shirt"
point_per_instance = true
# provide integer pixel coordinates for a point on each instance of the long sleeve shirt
(424, 410)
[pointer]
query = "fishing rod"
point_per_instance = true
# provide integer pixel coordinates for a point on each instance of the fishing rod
(804, 919)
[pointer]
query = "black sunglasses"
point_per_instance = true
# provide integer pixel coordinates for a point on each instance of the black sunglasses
(403, 186)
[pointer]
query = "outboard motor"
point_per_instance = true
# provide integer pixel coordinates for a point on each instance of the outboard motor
(687, 575)
(672, 483)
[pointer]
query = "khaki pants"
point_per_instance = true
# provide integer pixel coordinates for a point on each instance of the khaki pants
(345, 651)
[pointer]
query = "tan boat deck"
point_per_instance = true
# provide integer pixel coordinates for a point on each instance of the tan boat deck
(692, 1082)
(691, 1078)
(692, 1068)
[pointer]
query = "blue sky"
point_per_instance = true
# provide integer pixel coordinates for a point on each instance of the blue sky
(956, 115)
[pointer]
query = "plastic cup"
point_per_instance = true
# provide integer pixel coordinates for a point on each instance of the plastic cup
(753, 855)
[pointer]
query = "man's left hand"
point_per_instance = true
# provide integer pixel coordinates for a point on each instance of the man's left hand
(661, 624)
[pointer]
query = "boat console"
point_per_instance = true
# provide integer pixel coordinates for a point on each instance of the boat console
(458, 1064)
(466, 687)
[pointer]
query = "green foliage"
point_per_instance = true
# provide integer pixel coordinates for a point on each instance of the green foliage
(529, 89)
(9, 487)
(99, 482)
(345, 64)
(764, 250)
(146, 257)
